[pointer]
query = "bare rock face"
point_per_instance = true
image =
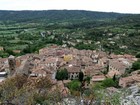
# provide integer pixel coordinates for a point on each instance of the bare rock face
(134, 97)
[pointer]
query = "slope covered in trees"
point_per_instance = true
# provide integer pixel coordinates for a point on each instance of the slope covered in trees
(56, 15)
(29, 31)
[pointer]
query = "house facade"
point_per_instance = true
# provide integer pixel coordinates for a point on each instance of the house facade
(73, 72)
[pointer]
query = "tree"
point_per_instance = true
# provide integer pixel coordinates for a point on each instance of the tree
(138, 55)
(81, 76)
(114, 77)
(107, 68)
(11, 88)
(74, 85)
(109, 83)
(62, 74)
(136, 65)
(42, 83)
(87, 79)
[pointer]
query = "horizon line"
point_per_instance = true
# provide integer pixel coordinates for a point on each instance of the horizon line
(66, 10)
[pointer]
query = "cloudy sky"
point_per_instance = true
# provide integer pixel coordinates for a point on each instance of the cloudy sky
(123, 6)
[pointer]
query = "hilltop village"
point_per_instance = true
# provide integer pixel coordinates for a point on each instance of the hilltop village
(49, 60)
(97, 65)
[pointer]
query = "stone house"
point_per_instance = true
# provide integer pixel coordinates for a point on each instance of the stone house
(92, 70)
(86, 61)
(117, 65)
(51, 61)
(111, 73)
(38, 73)
(73, 72)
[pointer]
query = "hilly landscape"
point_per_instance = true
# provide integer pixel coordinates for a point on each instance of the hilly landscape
(24, 32)
(69, 57)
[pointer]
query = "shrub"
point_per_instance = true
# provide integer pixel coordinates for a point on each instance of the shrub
(138, 55)
(81, 76)
(109, 83)
(74, 85)
(136, 65)
(62, 74)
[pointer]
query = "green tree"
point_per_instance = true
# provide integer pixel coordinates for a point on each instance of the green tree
(138, 55)
(87, 79)
(108, 83)
(74, 85)
(136, 65)
(81, 76)
(62, 74)
(114, 77)
(107, 68)
(11, 87)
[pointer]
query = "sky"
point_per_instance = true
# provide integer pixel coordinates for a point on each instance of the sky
(121, 6)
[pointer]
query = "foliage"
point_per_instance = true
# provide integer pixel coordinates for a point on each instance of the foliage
(12, 87)
(87, 92)
(74, 85)
(136, 65)
(95, 30)
(114, 77)
(81, 76)
(87, 79)
(100, 94)
(109, 82)
(3, 54)
(18, 90)
(55, 96)
(138, 55)
(42, 83)
(97, 86)
(40, 98)
(54, 15)
(81, 46)
(62, 74)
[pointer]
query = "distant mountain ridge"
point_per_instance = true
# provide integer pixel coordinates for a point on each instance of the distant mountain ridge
(57, 15)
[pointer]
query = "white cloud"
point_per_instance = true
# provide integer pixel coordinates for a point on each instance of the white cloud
(125, 6)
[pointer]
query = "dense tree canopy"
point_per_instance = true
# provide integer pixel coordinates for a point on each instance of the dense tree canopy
(62, 74)
(136, 65)
(138, 55)
(81, 76)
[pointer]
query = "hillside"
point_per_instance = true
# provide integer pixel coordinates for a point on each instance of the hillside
(28, 31)
(55, 15)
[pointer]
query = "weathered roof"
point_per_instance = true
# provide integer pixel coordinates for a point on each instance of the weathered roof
(118, 64)
(72, 69)
(98, 78)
